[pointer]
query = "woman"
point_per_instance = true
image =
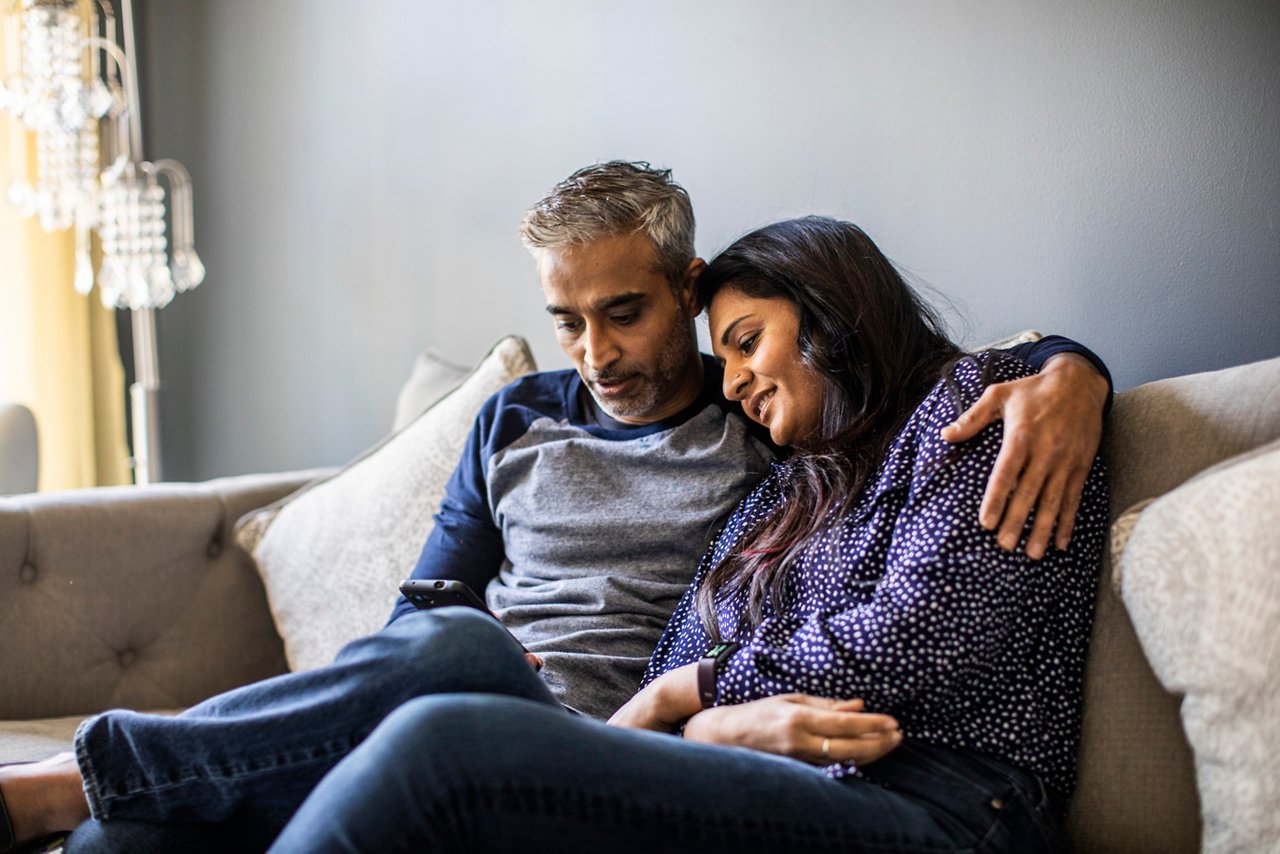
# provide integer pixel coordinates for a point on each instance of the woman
(856, 572)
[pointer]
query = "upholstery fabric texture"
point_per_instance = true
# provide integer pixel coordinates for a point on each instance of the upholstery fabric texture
(332, 556)
(1201, 580)
(26, 741)
(432, 378)
(1121, 531)
(131, 596)
(1123, 527)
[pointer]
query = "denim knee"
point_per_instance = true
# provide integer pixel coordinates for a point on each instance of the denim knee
(448, 651)
(445, 730)
(435, 636)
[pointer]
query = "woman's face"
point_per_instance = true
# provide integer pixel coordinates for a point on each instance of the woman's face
(757, 342)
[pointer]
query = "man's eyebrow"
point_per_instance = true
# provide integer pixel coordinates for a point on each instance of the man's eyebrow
(603, 305)
(728, 330)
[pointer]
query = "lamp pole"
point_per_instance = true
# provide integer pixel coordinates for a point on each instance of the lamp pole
(144, 393)
(144, 397)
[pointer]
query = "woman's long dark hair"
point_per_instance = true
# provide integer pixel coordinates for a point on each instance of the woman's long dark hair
(878, 348)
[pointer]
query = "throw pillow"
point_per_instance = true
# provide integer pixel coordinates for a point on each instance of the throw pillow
(333, 554)
(1201, 582)
(433, 377)
(1122, 528)
(1026, 336)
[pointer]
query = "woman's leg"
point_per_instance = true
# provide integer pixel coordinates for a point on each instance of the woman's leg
(249, 757)
(477, 773)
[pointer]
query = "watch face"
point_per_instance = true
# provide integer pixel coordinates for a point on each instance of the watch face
(721, 649)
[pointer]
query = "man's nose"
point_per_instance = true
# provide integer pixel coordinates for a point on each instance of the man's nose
(599, 349)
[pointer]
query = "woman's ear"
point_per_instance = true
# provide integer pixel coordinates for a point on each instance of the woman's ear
(688, 295)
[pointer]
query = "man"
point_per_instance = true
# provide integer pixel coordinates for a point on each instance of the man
(581, 505)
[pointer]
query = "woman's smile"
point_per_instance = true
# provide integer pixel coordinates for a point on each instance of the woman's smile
(757, 339)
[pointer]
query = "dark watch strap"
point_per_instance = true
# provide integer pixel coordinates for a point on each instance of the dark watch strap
(709, 668)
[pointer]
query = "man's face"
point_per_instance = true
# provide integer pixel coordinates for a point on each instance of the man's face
(628, 334)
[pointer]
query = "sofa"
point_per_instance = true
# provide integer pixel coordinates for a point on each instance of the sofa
(157, 597)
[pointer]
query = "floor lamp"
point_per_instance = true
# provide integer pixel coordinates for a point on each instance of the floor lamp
(72, 83)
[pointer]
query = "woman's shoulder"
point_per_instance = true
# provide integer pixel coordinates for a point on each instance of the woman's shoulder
(960, 386)
(964, 381)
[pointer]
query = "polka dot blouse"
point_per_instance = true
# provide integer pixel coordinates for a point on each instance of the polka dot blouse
(909, 604)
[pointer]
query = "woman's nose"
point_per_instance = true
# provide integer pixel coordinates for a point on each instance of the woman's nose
(735, 383)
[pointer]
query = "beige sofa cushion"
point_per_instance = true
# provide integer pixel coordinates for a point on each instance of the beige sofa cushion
(1201, 581)
(332, 555)
(28, 741)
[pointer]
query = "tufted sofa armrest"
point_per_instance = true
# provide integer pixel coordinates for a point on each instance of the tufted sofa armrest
(132, 597)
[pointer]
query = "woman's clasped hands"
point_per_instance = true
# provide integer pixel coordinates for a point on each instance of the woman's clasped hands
(812, 729)
(816, 730)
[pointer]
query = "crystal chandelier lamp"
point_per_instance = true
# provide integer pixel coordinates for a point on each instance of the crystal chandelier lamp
(71, 85)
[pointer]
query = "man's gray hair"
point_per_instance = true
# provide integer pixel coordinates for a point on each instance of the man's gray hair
(616, 199)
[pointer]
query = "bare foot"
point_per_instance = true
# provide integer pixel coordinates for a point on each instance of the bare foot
(44, 797)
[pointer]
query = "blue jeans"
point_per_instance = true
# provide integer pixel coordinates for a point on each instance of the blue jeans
(227, 774)
(490, 773)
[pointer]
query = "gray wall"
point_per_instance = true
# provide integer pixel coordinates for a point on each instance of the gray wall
(1108, 170)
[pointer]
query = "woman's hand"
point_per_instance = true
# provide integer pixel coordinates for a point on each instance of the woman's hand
(664, 704)
(812, 729)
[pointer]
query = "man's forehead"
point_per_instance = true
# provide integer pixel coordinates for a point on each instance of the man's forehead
(601, 274)
(634, 251)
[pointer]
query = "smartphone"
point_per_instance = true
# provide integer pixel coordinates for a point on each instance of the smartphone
(427, 593)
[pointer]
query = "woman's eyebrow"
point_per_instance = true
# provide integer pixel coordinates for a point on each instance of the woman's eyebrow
(728, 330)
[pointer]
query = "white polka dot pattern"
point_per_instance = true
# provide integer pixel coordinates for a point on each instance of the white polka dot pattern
(909, 604)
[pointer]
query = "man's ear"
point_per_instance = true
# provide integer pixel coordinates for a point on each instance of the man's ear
(689, 286)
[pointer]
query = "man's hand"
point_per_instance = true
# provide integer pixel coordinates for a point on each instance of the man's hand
(1052, 430)
(664, 704)
(799, 726)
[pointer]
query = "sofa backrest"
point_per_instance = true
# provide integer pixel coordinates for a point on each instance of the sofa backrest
(1136, 789)
(132, 597)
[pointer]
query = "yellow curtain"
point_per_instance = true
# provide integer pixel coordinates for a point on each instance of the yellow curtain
(58, 351)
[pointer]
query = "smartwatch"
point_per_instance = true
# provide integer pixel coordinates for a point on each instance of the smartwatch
(709, 667)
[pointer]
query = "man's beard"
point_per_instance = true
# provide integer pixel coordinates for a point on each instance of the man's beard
(652, 390)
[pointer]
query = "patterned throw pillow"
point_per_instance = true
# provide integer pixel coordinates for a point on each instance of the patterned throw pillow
(1201, 582)
(332, 555)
